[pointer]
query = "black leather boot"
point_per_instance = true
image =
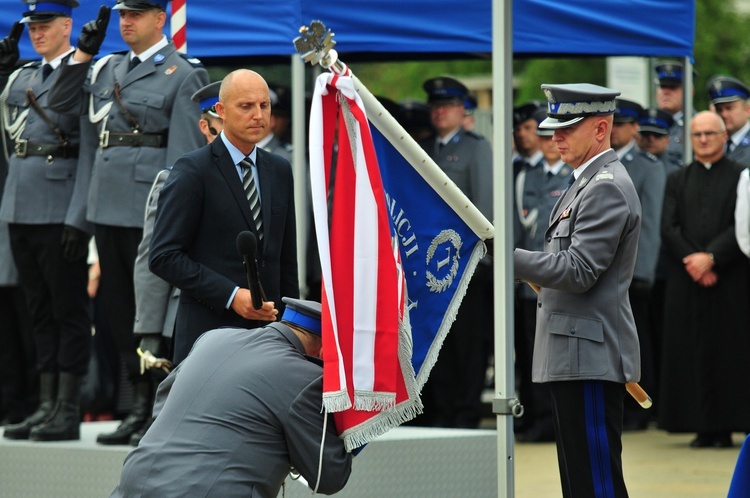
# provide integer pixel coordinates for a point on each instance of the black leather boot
(47, 398)
(136, 438)
(65, 422)
(138, 417)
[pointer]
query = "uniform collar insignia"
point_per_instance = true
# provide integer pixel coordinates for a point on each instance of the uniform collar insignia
(159, 58)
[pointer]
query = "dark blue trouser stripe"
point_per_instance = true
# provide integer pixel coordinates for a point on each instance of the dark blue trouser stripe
(596, 435)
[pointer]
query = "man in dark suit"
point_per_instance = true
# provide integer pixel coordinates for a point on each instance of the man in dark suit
(203, 207)
(586, 342)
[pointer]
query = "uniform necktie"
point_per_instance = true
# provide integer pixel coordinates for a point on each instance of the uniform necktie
(46, 71)
(133, 63)
(729, 146)
(251, 192)
(571, 181)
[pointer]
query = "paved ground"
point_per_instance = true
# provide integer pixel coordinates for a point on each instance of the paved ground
(656, 464)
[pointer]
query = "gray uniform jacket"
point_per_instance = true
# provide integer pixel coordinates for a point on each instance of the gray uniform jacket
(585, 327)
(676, 148)
(38, 189)
(467, 160)
(233, 417)
(649, 178)
(157, 95)
(8, 272)
(156, 301)
(741, 152)
(280, 148)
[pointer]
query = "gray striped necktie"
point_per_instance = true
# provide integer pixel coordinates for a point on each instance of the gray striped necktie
(251, 192)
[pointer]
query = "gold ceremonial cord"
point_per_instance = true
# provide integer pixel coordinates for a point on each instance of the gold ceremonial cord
(633, 388)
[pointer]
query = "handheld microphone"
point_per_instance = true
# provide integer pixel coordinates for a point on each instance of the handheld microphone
(247, 244)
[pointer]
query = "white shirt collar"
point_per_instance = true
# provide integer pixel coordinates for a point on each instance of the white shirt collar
(579, 171)
(623, 151)
(738, 135)
(57, 60)
(144, 56)
(553, 168)
(236, 154)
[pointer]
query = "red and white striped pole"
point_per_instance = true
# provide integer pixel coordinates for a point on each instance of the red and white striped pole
(178, 24)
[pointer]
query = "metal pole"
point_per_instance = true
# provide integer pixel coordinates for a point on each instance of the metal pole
(504, 403)
(687, 111)
(299, 165)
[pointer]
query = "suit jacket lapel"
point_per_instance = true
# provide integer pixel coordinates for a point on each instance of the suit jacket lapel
(265, 177)
(223, 162)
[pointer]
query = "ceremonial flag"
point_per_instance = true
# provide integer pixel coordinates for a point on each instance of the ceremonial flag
(396, 259)
(178, 25)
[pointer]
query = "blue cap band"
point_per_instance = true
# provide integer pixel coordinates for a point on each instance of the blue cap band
(304, 321)
(625, 111)
(728, 92)
(43, 8)
(208, 103)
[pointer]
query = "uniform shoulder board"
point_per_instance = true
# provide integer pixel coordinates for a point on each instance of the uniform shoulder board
(32, 64)
(474, 135)
(604, 174)
(192, 60)
(288, 147)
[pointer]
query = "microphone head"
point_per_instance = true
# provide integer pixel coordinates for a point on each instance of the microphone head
(246, 243)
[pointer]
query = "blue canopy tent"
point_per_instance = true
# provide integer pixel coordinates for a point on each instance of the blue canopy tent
(419, 29)
(237, 28)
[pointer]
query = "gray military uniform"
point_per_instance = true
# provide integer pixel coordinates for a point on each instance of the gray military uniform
(157, 94)
(649, 178)
(585, 327)
(156, 301)
(38, 189)
(741, 152)
(676, 148)
(231, 419)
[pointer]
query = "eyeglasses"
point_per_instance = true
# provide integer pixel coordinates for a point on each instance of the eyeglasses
(707, 134)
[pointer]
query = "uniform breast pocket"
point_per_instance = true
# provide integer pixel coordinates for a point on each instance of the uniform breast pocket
(576, 346)
(17, 99)
(560, 236)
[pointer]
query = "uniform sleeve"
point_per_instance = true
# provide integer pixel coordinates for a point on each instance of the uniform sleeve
(67, 95)
(652, 200)
(742, 213)
(304, 436)
(602, 216)
(481, 179)
(152, 293)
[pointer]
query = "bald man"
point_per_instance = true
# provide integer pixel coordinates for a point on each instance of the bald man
(205, 204)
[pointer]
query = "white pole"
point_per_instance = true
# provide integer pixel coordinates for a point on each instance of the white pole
(299, 165)
(504, 401)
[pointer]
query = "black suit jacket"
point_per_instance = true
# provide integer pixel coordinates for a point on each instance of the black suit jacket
(202, 208)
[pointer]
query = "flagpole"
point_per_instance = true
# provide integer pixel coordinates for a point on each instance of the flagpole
(413, 152)
(504, 403)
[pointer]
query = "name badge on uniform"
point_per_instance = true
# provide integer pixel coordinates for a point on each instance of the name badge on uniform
(170, 70)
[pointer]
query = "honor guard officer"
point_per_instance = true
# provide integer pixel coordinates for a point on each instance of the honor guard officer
(140, 102)
(156, 300)
(670, 97)
(586, 345)
(649, 177)
(48, 235)
(653, 136)
(456, 383)
(729, 96)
